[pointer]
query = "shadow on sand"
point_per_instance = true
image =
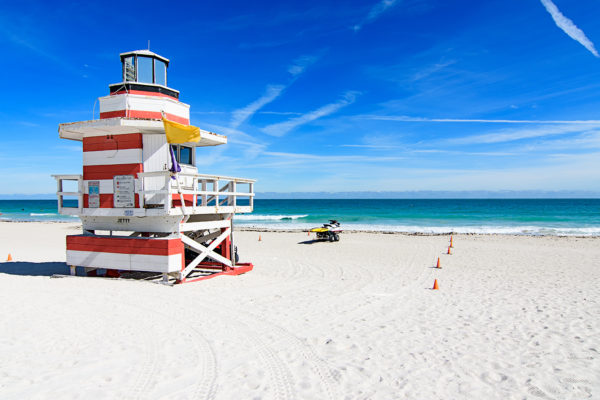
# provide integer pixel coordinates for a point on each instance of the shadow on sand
(313, 241)
(34, 269)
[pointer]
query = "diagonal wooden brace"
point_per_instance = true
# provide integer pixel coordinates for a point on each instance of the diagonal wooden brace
(204, 252)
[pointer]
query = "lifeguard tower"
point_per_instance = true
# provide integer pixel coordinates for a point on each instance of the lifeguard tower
(142, 203)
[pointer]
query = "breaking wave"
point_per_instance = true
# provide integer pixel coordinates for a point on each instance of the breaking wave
(438, 230)
(269, 217)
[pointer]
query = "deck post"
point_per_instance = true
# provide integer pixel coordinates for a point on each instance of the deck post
(231, 242)
(233, 193)
(204, 202)
(195, 195)
(80, 188)
(167, 192)
(216, 190)
(251, 190)
(141, 193)
(59, 193)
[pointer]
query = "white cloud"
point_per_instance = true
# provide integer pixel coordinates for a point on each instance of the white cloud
(271, 92)
(426, 72)
(402, 118)
(301, 161)
(329, 158)
(300, 64)
(569, 27)
(586, 141)
(509, 135)
(372, 146)
(282, 128)
(241, 115)
(375, 12)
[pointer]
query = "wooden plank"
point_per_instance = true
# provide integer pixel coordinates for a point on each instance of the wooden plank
(112, 142)
(113, 157)
(125, 245)
(97, 172)
(198, 226)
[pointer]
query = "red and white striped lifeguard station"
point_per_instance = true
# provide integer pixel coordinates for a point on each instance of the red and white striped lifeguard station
(138, 212)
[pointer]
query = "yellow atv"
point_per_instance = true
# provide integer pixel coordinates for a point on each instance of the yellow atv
(330, 231)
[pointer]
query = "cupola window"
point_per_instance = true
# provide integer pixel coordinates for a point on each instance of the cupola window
(160, 72)
(129, 69)
(144, 69)
(143, 66)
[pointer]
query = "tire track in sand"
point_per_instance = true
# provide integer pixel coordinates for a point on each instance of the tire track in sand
(267, 328)
(206, 387)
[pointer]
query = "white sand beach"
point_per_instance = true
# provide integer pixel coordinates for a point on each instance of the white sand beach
(515, 318)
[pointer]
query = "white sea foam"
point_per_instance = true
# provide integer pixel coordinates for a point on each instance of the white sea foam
(253, 217)
(505, 230)
(41, 214)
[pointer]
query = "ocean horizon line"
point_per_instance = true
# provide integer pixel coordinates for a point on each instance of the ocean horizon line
(392, 195)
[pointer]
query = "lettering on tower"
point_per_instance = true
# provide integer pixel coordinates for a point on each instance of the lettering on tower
(124, 191)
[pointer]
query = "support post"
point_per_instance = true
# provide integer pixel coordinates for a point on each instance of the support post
(204, 201)
(216, 191)
(141, 193)
(168, 192)
(195, 195)
(58, 192)
(234, 194)
(80, 193)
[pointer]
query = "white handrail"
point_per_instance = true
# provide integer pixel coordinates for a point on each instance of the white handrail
(199, 176)
(221, 197)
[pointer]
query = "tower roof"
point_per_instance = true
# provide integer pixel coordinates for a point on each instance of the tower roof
(146, 53)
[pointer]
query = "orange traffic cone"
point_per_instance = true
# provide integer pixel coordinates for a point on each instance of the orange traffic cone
(451, 241)
(308, 233)
(9, 258)
(435, 285)
(449, 250)
(438, 264)
(259, 239)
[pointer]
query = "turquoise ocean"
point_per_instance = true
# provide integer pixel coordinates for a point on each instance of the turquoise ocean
(579, 217)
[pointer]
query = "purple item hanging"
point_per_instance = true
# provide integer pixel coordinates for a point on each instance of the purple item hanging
(175, 167)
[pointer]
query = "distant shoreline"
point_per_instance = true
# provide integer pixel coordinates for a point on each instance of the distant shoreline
(238, 228)
(416, 195)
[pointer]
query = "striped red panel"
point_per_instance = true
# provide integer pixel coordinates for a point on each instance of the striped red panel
(113, 142)
(107, 200)
(155, 247)
(144, 93)
(143, 114)
(96, 172)
(189, 199)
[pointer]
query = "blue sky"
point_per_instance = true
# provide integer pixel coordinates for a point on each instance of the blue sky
(377, 95)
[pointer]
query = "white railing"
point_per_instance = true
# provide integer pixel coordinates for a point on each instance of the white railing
(60, 193)
(156, 190)
(210, 193)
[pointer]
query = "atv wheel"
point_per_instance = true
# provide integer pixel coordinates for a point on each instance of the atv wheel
(331, 237)
(336, 237)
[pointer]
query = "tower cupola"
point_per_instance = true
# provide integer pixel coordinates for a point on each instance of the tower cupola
(144, 71)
